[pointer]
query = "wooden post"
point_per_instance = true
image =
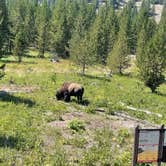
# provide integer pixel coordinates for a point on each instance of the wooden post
(135, 151)
(161, 141)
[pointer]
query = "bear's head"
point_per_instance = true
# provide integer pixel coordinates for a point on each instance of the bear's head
(59, 95)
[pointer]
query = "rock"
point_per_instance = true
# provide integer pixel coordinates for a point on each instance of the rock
(99, 110)
(49, 113)
(54, 59)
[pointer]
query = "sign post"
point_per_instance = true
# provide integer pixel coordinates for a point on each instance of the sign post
(161, 143)
(135, 146)
(149, 145)
(164, 147)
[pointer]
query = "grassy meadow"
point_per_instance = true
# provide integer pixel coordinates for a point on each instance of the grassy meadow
(35, 129)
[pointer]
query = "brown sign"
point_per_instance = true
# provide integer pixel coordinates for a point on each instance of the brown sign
(149, 146)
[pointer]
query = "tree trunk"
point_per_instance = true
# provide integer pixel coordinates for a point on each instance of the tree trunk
(120, 70)
(153, 89)
(19, 59)
(0, 53)
(9, 46)
(83, 69)
(41, 53)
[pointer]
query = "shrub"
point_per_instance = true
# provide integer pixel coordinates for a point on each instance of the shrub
(76, 125)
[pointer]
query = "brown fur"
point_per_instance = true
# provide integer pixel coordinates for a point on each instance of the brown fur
(70, 89)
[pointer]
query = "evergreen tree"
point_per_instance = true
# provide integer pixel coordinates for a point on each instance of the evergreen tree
(139, 20)
(118, 58)
(151, 54)
(162, 24)
(142, 16)
(146, 34)
(43, 27)
(103, 32)
(131, 33)
(61, 26)
(31, 23)
(4, 25)
(20, 41)
(82, 53)
(13, 15)
(80, 45)
(154, 63)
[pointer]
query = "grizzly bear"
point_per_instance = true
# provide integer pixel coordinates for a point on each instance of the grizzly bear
(70, 89)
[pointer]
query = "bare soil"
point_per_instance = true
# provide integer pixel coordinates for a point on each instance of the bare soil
(97, 121)
(17, 89)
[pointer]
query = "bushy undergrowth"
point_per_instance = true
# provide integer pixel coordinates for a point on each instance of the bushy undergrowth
(76, 125)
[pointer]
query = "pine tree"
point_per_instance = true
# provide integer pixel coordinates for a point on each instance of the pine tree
(162, 24)
(140, 19)
(31, 23)
(146, 34)
(142, 16)
(4, 25)
(152, 61)
(43, 27)
(82, 53)
(20, 41)
(151, 54)
(118, 59)
(81, 43)
(63, 16)
(114, 29)
(103, 32)
(131, 33)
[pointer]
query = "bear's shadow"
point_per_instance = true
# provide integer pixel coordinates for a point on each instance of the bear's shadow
(84, 102)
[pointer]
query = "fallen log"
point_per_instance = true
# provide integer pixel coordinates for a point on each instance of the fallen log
(140, 110)
(144, 122)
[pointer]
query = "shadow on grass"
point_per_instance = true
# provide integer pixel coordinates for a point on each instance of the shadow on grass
(31, 56)
(84, 102)
(11, 61)
(161, 94)
(9, 142)
(4, 96)
(103, 78)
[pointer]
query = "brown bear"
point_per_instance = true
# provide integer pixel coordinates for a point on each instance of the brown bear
(70, 89)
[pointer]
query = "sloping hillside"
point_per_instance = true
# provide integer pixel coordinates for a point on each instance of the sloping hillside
(38, 129)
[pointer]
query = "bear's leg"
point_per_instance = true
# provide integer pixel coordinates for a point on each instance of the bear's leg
(67, 97)
(79, 98)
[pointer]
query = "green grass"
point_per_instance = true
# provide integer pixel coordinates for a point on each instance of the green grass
(24, 120)
(76, 125)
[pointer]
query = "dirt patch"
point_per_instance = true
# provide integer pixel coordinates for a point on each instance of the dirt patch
(59, 124)
(98, 121)
(67, 118)
(17, 89)
(93, 123)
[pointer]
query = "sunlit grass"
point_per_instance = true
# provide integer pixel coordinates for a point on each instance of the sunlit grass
(24, 122)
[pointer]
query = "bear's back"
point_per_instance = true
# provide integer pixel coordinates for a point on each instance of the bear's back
(74, 87)
(65, 86)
